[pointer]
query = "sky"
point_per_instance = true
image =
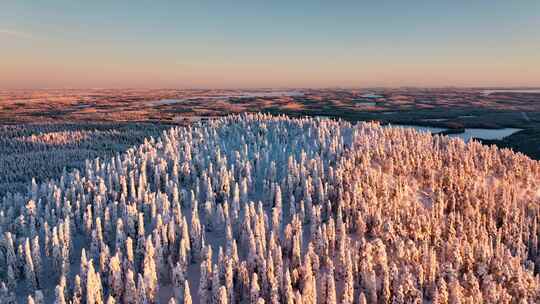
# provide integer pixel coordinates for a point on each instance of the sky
(246, 44)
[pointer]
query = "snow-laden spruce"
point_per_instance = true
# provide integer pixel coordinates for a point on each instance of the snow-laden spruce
(42, 151)
(265, 209)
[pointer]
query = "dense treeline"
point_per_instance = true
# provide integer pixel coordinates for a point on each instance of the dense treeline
(263, 209)
(42, 151)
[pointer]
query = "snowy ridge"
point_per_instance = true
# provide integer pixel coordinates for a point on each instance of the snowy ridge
(267, 209)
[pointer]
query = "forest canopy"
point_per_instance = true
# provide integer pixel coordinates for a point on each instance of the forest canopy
(256, 208)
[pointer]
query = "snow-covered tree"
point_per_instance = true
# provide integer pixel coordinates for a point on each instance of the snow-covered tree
(276, 209)
(187, 293)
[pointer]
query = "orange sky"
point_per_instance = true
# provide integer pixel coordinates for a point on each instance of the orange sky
(252, 44)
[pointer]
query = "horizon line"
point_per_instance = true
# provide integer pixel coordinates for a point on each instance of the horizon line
(283, 87)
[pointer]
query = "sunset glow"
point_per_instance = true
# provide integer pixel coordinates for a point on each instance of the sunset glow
(278, 44)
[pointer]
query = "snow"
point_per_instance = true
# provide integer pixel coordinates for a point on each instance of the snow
(375, 203)
(243, 94)
(521, 91)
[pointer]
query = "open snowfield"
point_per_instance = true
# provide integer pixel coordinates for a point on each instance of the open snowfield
(256, 208)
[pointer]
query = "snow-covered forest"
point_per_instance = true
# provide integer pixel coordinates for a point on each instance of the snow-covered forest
(265, 209)
(43, 151)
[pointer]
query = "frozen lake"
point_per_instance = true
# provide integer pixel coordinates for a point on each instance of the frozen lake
(435, 119)
(163, 102)
(246, 94)
(469, 133)
(531, 91)
(485, 133)
(371, 95)
(365, 104)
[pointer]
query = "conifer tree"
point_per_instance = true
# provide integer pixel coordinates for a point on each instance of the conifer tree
(29, 271)
(38, 297)
(309, 291)
(255, 289)
(93, 293)
(59, 295)
(130, 289)
(36, 256)
(204, 285)
(330, 288)
(178, 278)
(78, 292)
(115, 277)
(288, 292)
(111, 300)
(187, 293)
(142, 291)
(150, 272)
(222, 296)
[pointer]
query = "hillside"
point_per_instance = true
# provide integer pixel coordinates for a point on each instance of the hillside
(255, 208)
